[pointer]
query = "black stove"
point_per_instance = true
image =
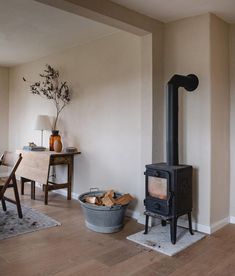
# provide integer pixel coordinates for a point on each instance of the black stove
(168, 186)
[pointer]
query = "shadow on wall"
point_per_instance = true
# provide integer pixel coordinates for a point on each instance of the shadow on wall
(195, 194)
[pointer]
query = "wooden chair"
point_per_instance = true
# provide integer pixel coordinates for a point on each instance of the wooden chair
(10, 161)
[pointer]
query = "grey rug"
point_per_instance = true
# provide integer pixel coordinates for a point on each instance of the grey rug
(33, 220)
(158, 239)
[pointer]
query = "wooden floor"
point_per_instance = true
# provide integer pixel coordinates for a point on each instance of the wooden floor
(71, 249)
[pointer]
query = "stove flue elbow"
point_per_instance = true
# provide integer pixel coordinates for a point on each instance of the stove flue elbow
(189, 82)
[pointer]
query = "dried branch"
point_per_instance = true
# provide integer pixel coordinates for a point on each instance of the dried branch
(51, 89)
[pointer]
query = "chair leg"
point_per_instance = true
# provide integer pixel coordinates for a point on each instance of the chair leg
(17, 198)
(22, 180)
(4, 207)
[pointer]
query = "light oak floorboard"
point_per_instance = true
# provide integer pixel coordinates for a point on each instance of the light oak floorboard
(72, 249)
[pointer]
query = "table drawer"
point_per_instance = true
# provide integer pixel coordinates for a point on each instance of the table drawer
(60, 160)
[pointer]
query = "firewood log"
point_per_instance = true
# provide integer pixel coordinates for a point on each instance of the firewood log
(108, 201)
(124, 199)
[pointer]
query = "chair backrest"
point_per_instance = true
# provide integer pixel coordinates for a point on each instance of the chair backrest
(11, 160)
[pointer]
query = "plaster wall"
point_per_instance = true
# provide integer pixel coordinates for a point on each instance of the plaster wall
(220, 107)
(4, 108)
(186, 51)
(232, 119)
(109, 117)
(188, 47)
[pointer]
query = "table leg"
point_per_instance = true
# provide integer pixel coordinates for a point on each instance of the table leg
(70, 175)
(32, 189)
(46, 194)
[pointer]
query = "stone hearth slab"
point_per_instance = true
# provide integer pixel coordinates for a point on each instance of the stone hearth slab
(158, 239)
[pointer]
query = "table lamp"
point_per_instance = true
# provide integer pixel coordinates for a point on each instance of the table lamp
(42, 123)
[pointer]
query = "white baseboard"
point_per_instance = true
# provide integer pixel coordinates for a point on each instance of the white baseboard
(219, 224)
(181, 222)
(207, 229)
(196, 226)
(64, 193)
(132, 214)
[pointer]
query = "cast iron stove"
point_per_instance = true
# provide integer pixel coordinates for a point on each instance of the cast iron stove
(168, 186)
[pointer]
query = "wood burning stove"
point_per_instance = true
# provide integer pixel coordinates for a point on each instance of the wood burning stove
(168, 186)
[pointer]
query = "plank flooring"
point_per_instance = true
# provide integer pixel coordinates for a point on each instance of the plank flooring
(72, 249)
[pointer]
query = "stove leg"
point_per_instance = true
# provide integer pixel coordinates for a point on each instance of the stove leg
(190, 223)
(146, 224)
(163, 222)
(173, 230)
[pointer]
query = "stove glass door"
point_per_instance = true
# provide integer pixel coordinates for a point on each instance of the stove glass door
(157, 187)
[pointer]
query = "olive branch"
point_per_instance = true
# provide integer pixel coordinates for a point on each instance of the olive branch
(50, 88)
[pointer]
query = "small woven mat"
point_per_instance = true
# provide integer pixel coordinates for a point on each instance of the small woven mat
(11, 225)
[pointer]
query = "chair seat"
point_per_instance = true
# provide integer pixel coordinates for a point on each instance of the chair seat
(3, 181)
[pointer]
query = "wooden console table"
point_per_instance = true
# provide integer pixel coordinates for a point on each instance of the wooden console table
(35, 167)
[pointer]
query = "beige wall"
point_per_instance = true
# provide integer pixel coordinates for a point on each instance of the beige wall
(190, 46)
(146, 113)
(107, 115)
(199, 45)
(4, 108)
(232, 120)
(187, 51)
(158, 96)
(110, 13)
(219, 56)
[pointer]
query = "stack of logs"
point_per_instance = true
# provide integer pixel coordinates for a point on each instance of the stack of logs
(109, 199)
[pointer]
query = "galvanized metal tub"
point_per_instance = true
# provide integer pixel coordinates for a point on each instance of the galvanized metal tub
(102, 219)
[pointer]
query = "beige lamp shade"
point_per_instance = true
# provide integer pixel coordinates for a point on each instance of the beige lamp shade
(43, 123)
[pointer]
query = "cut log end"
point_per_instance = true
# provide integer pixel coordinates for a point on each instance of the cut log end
(108, 199)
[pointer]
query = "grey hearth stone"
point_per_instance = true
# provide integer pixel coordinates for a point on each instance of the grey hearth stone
(158, 239)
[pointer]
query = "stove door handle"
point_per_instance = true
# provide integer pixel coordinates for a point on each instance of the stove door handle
(169, 198)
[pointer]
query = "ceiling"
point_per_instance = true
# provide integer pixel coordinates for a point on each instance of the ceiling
(30, 30)
(170, 10)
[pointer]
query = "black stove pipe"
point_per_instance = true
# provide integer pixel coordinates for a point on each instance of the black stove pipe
(190, 83)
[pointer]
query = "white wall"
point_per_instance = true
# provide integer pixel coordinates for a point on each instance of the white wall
(110, 116)
(220, 185)
(232, 120)
(105, 118)
(199, 45)
(187, 51)
(4, 108)
(147, 139)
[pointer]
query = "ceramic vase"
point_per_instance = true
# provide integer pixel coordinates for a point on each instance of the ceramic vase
(54, 137)
(57, 146)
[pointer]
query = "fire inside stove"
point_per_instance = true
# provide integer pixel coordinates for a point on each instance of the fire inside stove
(157, 187)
